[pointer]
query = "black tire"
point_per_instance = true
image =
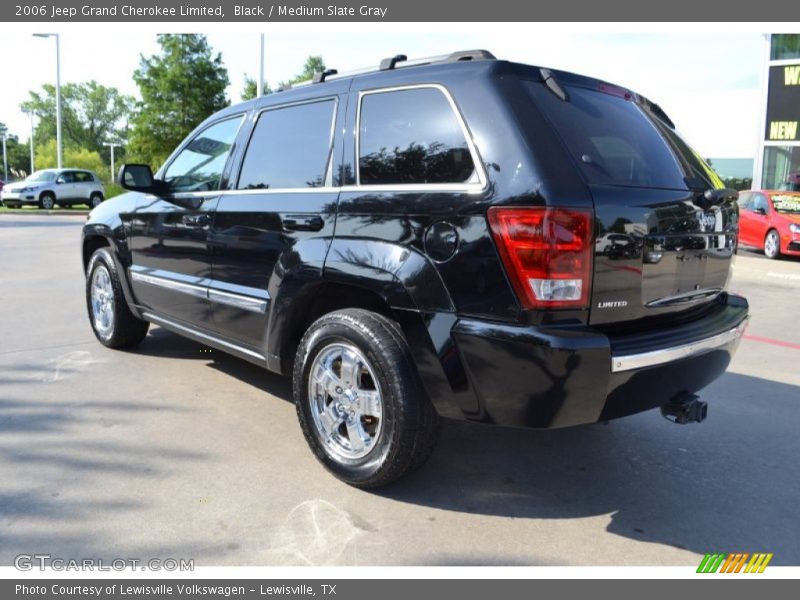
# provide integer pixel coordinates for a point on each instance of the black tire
(126, 330)
(772, 244)
(410, 424)
(47, 201)
(95, 200)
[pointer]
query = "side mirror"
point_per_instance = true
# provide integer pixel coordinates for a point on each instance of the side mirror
(59, 181)
(139, 178)
(760, 211)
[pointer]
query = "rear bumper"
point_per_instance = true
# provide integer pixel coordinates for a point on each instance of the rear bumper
(558, 377)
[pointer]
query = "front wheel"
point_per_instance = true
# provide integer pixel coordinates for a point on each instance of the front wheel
(360, 401)
(113, 323)
(47, 201)
(95, 200)
(772, 245)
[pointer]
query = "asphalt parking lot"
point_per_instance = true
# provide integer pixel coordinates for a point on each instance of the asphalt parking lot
(174, 451)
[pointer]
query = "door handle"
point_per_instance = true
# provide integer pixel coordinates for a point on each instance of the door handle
(196, 220)
(302, 222)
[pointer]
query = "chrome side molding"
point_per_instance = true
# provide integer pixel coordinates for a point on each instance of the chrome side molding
(242, 297)
(192, 289)
(257, 305)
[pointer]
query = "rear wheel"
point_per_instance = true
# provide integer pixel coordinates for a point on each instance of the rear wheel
(360, 401)
(113, 323)
(95, 200)
(47, 201)
(772, 244)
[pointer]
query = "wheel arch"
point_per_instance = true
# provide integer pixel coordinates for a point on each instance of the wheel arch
(96, 236)
(391, 280)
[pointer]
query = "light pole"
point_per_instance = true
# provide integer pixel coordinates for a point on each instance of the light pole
(112, 145)
(5, 158)
(260, 90)
(29, 112)
(58, 93)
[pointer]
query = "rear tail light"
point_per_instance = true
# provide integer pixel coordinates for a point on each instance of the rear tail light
(547, 253)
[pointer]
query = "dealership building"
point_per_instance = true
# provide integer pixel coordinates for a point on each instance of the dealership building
(778, 157)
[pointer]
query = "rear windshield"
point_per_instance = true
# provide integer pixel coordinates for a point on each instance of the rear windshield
(613, 141)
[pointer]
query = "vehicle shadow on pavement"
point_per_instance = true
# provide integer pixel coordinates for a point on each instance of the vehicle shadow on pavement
(729, 484)
(165, 344)
(70, 466)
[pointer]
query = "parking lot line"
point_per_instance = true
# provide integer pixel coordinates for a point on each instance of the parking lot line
(774, 342)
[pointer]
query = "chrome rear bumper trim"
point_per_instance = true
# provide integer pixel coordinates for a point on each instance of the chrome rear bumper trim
(629, 362)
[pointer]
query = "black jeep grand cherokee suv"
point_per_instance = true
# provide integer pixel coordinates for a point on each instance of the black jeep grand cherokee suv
(430, 239)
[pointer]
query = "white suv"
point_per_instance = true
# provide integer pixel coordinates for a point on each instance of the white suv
(51, 187)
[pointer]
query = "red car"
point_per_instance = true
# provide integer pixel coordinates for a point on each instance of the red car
(770, 220)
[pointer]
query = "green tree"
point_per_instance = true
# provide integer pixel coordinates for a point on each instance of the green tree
(17, 155)
(78, 158)
(251, 87)
(312, 65)
(91, 114)
(179, 87)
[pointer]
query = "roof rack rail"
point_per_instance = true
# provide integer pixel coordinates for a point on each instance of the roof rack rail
(387, 64)
(321, 76)
(470, 55)
(392, 63)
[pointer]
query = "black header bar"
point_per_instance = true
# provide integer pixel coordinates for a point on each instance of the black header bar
(261, 11)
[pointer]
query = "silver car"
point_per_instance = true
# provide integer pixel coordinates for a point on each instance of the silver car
(51, 187)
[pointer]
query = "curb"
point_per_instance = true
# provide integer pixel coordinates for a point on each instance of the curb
(64, 213)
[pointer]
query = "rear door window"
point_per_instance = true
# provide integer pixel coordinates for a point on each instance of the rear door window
(610, 138)
(290, 147)
(412, 136)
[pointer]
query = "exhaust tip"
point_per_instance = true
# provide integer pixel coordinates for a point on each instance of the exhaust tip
(684, 409)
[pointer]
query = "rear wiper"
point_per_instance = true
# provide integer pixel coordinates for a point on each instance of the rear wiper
(552, 84)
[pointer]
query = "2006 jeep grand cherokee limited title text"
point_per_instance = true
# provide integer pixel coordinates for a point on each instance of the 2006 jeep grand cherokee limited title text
(431, 238)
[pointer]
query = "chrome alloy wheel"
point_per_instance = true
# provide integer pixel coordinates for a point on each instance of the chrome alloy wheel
(102, 296)
(771, 244)
(346, 402)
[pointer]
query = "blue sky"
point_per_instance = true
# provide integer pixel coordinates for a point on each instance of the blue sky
(707, 82)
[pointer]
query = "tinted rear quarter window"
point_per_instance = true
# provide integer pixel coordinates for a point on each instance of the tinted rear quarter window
(609, 137)
(290, 147)
(411, 136)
